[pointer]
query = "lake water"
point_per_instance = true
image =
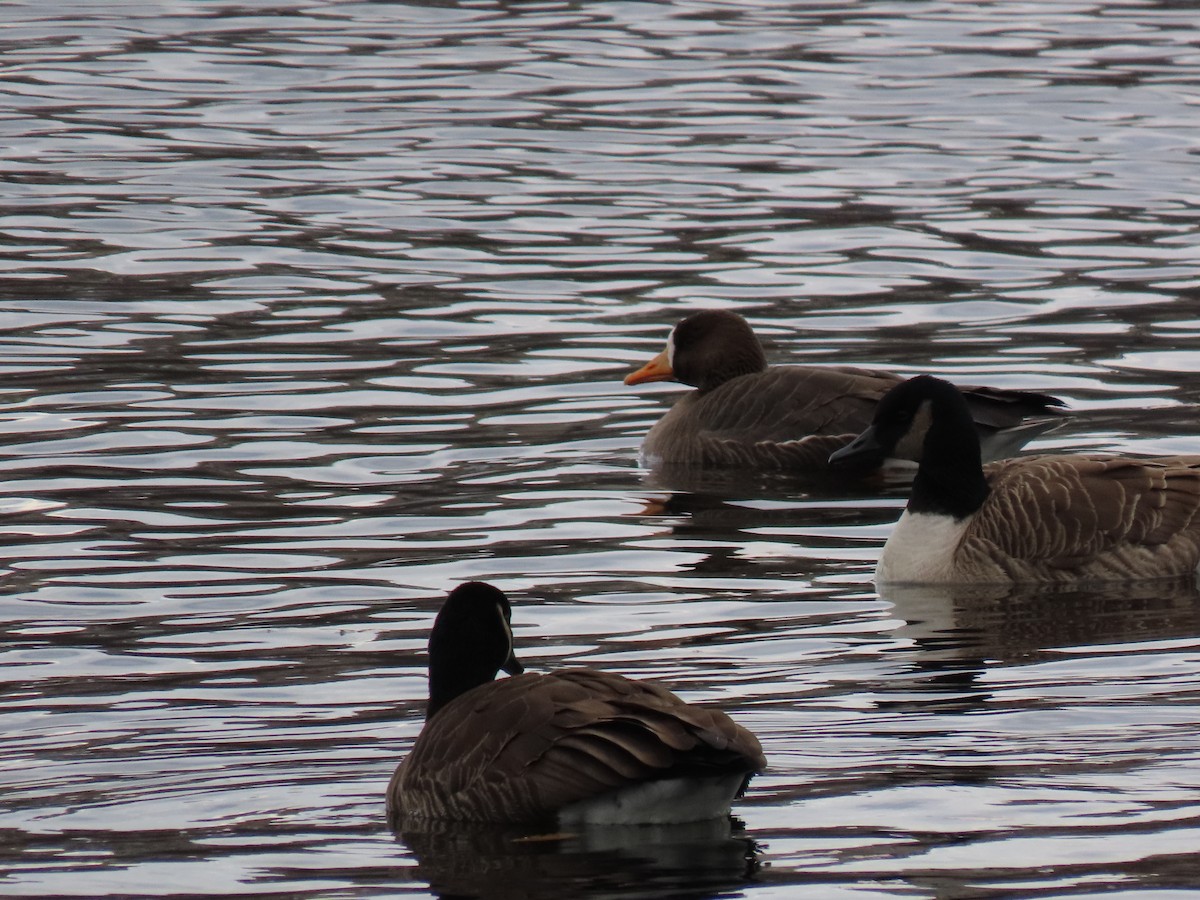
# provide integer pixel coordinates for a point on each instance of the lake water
(310, 311)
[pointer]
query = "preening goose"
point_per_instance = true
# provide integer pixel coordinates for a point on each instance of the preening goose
(748, 415)
(573, 745)
(1062, 518)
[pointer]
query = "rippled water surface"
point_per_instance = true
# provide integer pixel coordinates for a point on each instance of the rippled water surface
(310, 311)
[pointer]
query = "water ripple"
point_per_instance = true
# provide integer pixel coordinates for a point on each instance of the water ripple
(312, 312)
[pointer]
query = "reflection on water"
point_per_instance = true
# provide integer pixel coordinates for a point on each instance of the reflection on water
(311, 312)
(1007, 623)
(694, 860)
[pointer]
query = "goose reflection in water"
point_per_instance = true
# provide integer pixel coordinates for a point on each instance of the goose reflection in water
(956, 635)
(694, 859)
(1010, 623)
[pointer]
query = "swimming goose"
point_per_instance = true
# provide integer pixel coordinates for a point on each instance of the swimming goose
(1061, 518)
(573, 745)
(748, 415)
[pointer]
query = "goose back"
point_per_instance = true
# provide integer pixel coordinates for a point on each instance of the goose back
(524, 748)
(791, 418)
(786, 417)
(1085, 518)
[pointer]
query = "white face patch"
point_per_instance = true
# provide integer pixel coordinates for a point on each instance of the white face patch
(912, 444)
(671, 349)
(507, 629)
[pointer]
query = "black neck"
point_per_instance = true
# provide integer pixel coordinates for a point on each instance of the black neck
(467, 645)
(449, 679)
(950, 478)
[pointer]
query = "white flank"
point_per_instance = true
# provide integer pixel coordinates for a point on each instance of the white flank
(920, 549)
(657, 803)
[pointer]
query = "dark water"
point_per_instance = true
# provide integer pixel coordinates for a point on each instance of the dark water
(310, 311)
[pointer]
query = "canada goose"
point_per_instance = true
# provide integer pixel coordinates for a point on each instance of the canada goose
(748, 415)
(574, 745)
(1062, 518)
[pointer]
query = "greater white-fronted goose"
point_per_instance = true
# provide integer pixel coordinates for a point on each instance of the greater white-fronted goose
(745, 414)
(1062, 518)
(574, 746)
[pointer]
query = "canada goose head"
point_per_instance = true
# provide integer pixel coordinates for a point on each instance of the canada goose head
(470, 642)
(705, 350)
(926, 420)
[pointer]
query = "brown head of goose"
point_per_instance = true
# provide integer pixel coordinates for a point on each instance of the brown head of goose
(749, 415)
(573, 745)
(1061, 518)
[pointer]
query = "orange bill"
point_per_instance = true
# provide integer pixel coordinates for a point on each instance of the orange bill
(658, 369)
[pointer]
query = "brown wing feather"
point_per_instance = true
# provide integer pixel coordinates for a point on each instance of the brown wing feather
(793, 417)
(787, 417)
(789, 402)
(1089, 516)
(521, 748)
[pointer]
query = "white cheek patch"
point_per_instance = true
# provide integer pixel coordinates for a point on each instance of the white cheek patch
(671, 349)
(912, 445)
(507, 628)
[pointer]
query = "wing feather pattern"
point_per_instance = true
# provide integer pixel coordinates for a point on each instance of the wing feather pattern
(535, 743)
(1080, 517)
(792, 417)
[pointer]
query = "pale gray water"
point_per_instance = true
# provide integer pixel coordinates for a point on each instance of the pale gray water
(311, 311)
